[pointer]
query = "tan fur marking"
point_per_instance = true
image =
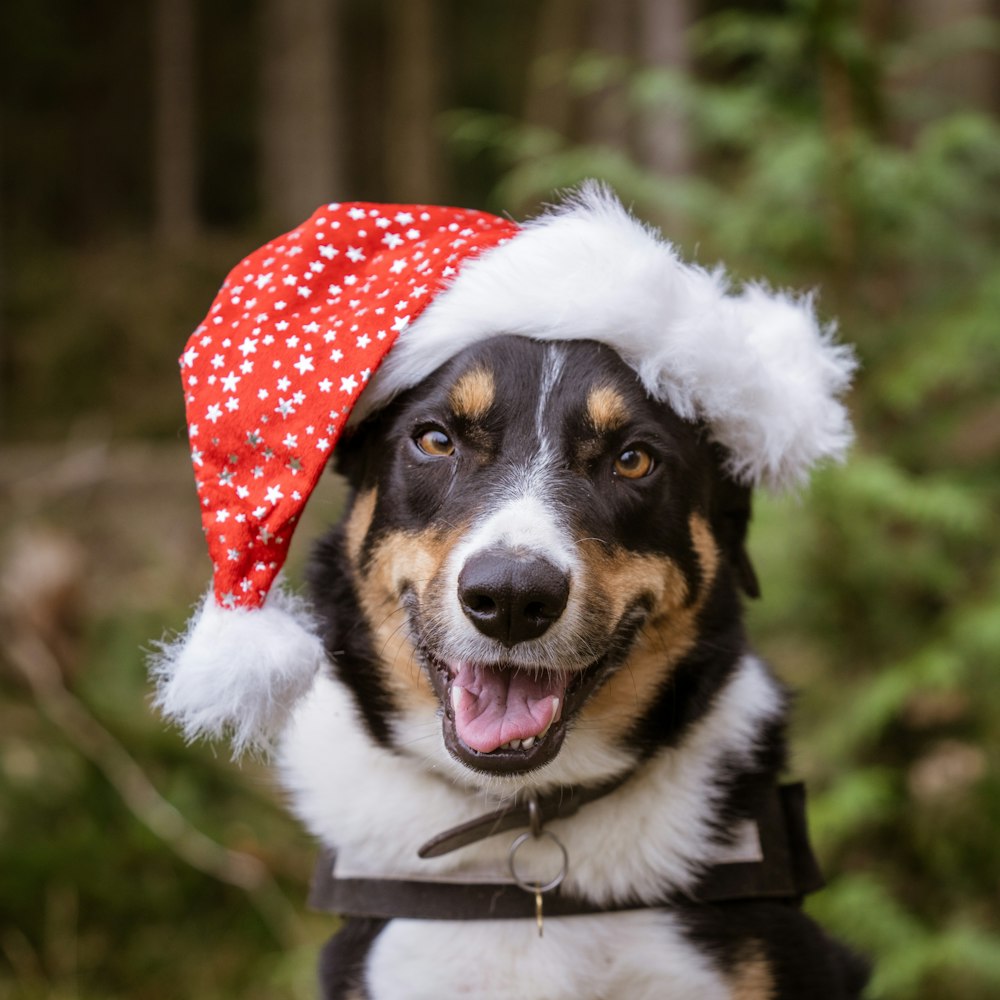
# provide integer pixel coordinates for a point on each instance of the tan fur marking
(472, 395)
(606, 409)
(670, 631)
(377, 590)
(625, 695)
(402, 558)
(753, 979)
(622, 576)
(358, 523)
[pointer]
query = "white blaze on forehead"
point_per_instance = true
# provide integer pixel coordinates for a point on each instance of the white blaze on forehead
(521, 514)
(552, 367)
(526, 517)
(527, 523)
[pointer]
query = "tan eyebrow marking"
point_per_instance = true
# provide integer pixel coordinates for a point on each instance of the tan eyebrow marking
(606, 409)
(472, 395)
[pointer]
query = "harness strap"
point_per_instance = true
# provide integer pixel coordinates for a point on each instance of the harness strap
(787, 870)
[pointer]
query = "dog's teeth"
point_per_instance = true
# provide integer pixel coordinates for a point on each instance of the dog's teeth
(552, 718)
(515, 744)
(528, 743)
(456, 697)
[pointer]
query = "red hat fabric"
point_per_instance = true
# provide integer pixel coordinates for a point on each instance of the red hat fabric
(289, 343)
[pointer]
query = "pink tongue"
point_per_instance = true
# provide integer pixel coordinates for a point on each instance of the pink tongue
(495, 706)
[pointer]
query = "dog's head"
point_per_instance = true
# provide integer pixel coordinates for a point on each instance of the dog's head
(536, 551)
(536, 558)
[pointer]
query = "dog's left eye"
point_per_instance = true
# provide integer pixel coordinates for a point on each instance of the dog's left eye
(633, 463)
(436, 443)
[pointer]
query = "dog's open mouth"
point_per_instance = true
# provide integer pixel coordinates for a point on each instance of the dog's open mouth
(496, 709)
(506, 719)
(511, 718)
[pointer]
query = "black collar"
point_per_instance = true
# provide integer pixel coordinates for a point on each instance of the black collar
(531, 812)
(785, 869)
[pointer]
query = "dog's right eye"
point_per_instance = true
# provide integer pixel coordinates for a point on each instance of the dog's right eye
(634, 463)
(435, 442)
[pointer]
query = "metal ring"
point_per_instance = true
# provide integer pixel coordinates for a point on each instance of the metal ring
(534, 887)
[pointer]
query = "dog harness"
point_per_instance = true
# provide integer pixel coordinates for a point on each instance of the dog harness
(782, 868)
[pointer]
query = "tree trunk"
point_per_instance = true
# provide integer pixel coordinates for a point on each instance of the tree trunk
(174, 163)
(548, 101)
(610, 31)
(959, 79)
(662, 141)
(300, 168)
(413, 148)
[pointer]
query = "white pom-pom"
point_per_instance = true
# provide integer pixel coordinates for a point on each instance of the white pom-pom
(786, 415)
(239, 672)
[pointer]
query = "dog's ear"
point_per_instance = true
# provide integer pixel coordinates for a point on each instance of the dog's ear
(732, 506)
(353, 456)
(348, 457)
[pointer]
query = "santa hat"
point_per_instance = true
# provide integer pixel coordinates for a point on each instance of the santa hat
(329, 322)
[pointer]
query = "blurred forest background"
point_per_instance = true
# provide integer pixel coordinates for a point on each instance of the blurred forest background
(851, 147)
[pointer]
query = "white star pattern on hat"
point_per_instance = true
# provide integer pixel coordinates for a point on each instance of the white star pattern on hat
(274, 328)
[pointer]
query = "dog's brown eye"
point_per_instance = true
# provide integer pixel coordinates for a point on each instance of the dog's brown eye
(437, 443)
(633, 463)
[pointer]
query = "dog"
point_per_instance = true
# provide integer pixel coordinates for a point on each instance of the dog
(519, 710)
(538, 673)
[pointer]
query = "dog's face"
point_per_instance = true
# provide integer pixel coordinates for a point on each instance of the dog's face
(537, 551)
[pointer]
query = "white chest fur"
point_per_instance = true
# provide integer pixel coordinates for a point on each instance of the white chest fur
(375, 807)
(639, 955)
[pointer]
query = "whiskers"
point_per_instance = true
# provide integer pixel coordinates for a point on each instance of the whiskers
(433, 731)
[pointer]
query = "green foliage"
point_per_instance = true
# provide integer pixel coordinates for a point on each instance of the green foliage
(93, 904)
(960, 959)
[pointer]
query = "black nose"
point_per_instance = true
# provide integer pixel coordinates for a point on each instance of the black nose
(511, 598)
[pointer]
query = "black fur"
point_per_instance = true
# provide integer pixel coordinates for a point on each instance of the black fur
(341, 964)
(346, 634)
(805, 962)
(650, 515)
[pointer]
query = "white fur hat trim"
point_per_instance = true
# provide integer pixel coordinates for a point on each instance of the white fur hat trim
(756, 366)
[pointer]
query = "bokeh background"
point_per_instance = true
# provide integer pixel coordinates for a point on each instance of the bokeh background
(848, 147)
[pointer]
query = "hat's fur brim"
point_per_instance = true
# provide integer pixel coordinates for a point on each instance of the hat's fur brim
(755, 366)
